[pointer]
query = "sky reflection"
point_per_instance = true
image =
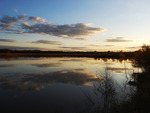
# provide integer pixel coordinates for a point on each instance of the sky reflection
(58, 82)
(37, 74)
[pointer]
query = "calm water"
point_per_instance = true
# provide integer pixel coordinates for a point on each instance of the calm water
(63, 85)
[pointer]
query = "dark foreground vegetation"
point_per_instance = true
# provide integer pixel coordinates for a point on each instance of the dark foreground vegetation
(140, 100)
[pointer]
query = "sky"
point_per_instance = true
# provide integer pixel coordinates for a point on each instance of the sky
(74, 25)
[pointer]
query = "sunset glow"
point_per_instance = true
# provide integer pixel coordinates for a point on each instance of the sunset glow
(74, 25)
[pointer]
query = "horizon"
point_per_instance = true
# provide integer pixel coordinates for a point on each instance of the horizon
(63, 50)
(56, 25)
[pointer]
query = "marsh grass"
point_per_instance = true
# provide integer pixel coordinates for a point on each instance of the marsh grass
(108, 94)
(140, 100)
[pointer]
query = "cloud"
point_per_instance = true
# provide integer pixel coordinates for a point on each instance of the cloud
(48, 42)
(73, 48)
(7, 22)
(21, 24)
(68, 30)
(20, 48)
(137, 47)
(118, 39)
(7, 40)
(12, 20)
(95, 45)
(36, 19)
(26, 24)
(5, 26)
(109, 45)
(80, 39)
(98, 45)
(15, 10)
(78, 48)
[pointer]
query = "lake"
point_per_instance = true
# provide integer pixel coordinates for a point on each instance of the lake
(64, 85)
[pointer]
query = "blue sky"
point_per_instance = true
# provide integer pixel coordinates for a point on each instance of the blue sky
(71, 25)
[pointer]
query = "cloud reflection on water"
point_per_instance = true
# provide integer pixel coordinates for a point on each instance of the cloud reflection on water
(41, 80)
(47, 65)
(117, 69)
(7, 65)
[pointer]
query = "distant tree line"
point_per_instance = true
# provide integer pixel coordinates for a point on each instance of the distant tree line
(38, 53)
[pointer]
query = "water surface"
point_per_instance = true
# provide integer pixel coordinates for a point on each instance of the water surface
(63, 85)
